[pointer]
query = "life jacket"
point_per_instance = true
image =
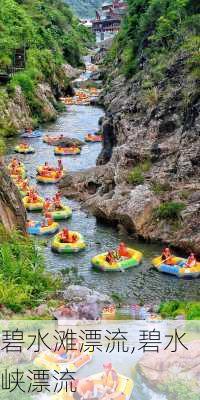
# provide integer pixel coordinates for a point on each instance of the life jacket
(110, 379)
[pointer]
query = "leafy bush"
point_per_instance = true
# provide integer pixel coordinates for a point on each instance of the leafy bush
(152, 32)
(180, 389)
(23, 279)
(136, 176)
(169, 210)
(171, 309)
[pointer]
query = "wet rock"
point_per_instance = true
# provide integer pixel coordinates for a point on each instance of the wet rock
(41, 310)
(82, 294)
(47, 99)
(71, 72)
(66, 141)
(82, 303)
(12, 211)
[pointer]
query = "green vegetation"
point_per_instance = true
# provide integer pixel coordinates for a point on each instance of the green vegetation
(180, 389)
(49, 35)
(153, 33)
(169, 210)
(136, 176)
(24, 283)
(191, 310)
(160, 188)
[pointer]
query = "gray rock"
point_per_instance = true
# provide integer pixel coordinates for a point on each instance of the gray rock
(12, 211)
(82, 294)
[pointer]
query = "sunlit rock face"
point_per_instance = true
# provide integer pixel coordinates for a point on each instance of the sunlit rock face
(12, 212)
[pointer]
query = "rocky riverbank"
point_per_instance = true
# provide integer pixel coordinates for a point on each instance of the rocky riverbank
(16, 113)
(147, 177)
(12, 211)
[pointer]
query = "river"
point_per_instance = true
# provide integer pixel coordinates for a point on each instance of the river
(141, 284)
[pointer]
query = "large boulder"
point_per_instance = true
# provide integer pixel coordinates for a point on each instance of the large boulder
(67, 141)
(82, 294)
(160, 368)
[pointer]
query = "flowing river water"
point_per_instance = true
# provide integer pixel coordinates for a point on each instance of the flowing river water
(141, 284)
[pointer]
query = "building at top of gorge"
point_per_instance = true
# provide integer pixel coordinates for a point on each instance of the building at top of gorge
(109, 17)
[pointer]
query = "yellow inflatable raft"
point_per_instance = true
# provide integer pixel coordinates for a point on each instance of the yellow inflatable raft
(19, 171)
(49, 179)
(93, 138)
(36, 206)
(99, 261)
(109, 312)
(63, 213)
(66, 151)
(74, 247)
(56, 362)
(177, 267)
(122, 392)
(24, 150)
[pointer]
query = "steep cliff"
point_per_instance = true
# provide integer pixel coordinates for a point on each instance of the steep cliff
(147, 178)
(12, 212)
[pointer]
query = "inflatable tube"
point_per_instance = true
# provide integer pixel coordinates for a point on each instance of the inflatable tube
(177, 268)
(37, 206)
(21, 171)
(64, 213)
(22, 174)
(75, 247)
(37, 229)
(93, 138)
(123, 390)
(34, 134)
(66, 151)
(56, 362)
(108, 312)
(41, 168)
(50, 139)
(99, 262)
(21, 150)
(48, 179)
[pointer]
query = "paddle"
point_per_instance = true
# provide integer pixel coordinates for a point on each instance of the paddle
(163, 261)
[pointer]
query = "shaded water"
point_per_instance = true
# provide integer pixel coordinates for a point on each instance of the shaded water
(138, 284)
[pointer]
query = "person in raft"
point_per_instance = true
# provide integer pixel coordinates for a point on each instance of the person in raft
(57, 201)
(110, 257)
(167, 256)
(58, 173)
(65, 236)
(24, 145)
(24, 185)
(15, 163)
(47, 204)
(60, 165)
(46, 166)
(120, 253)
(110, 378)
(122, 250)
(191, 261)
(33, 196)
(29, 130)
(47, 220)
